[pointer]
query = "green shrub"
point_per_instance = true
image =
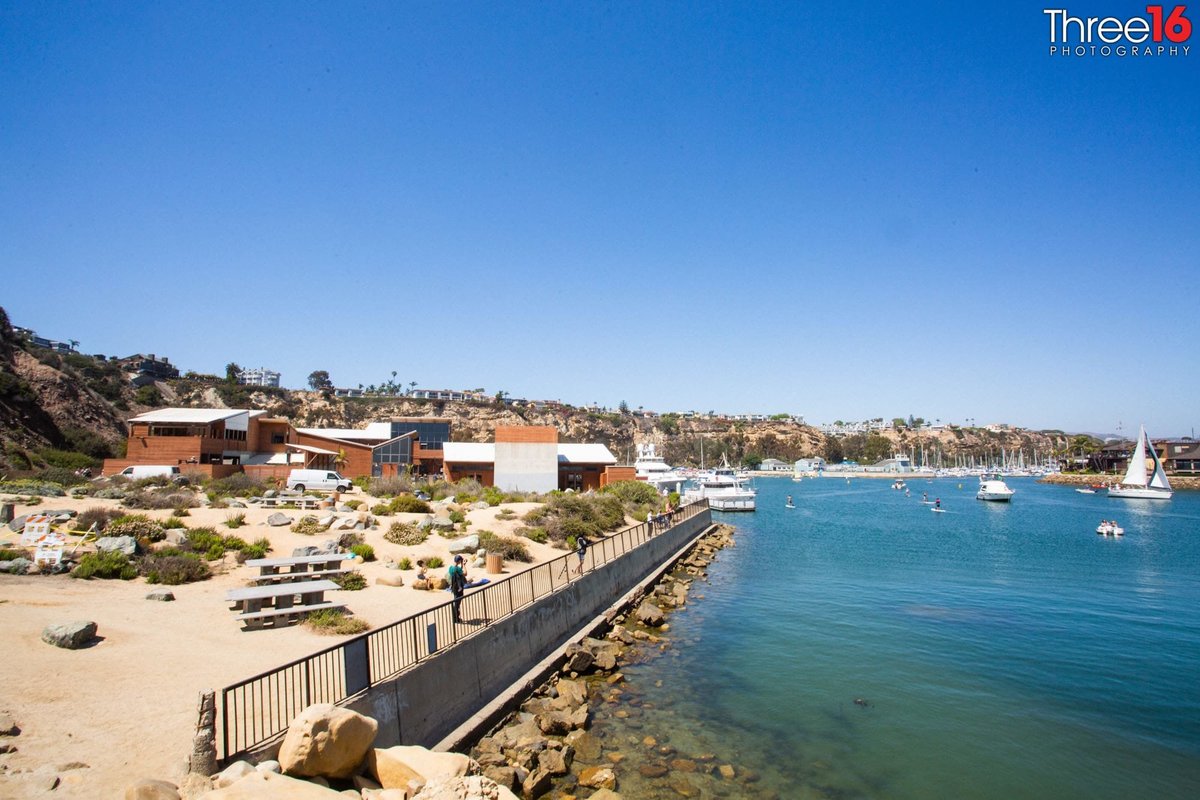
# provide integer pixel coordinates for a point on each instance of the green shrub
(365, 550)
(633, 492)
(181, 512)
(32, 501)
(457, 517)
(173, 521)
(307, 525)
(138, 526)
(32, 487)
(108, 565)
(171, 498)
(404, 563)
(8, 554)
(256, 549)
(388, 486)
(433, 562)
(68, 459)
(408, 504)
(381, 509)
(99, 516)
(353, 504)
(535, 534)
(235, 521)
(506, 514)
(493, 496)
(61, 475)
(350, 581)
(172, 567)
(406, 533)
(511, 548)
(239, 484)
(334, 622)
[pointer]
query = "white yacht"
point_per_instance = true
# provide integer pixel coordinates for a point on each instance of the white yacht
(994, 489)
(1139, 485)
(724, 489)
(654, 470)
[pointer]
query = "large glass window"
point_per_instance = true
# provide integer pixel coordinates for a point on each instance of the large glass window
(431, 435)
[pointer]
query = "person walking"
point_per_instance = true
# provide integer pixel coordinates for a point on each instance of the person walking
(458, 585)
(581, 546)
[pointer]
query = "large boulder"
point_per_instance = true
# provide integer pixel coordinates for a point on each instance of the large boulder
(272, 786)
(327, 741)
(467, 544)
(442, 520)
(430, 766)
(392, 772)
(71, 635)
(573, 692)
(650, 615)
(18, 566)
(587, 746)
(472, 787)
(278, 520)
(147, 789)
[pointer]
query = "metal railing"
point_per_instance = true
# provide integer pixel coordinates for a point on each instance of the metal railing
(258, 709)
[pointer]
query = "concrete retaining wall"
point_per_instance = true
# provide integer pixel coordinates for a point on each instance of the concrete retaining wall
(432, 699)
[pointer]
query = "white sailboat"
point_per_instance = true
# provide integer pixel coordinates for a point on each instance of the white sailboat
(1141, 482)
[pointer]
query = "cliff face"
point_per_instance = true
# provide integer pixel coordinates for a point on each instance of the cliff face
(47, 403)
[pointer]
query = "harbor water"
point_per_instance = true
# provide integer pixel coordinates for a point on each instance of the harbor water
(860, 646)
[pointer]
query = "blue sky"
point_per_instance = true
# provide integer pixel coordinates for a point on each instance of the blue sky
(832, 210)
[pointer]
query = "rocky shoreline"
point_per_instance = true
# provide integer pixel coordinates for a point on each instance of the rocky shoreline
(547, 747)
(1079, 479)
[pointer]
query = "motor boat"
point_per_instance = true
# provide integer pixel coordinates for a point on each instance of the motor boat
(899, 484)
(724, 490)
(1109, 528)
(654, 470)
(994, 489)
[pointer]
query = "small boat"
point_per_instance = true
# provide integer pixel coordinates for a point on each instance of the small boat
(1088, 490)
(994, 489)
(898, 484)
(1137, 484)
(789, 503)
(1109, 528)
(937, 510)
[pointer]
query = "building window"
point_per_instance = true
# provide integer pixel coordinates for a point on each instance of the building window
(277, 438)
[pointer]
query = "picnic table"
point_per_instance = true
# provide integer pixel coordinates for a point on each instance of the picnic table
(281, 603)
(302, 502)
(298, 568)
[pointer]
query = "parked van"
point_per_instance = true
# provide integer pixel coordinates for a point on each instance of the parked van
(139, 471)
(321, 479)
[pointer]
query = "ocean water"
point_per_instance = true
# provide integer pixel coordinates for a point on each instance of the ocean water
(998, 650)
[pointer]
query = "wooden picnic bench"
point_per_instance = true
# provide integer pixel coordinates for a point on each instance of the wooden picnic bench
(281, 603)
(298, 568)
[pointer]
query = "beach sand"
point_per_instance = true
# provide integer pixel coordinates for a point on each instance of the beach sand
(126, 706)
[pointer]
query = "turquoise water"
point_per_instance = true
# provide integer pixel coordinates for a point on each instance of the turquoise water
(1002, 650)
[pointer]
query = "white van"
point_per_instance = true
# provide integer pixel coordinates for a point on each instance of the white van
(139, 471)
(322, 479)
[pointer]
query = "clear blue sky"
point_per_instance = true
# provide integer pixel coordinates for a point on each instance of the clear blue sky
(838, 210)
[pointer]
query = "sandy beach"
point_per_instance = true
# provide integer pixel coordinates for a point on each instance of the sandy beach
(125, 706)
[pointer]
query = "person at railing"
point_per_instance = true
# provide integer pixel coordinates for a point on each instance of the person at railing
(581, 546)
(458, 584)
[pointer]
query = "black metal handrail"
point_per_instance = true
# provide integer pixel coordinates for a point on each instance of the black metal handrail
(257, 709)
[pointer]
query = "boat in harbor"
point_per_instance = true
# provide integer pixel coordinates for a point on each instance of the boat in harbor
(1145, 479)
(653, 469)
(994, 489)
(1088, 490)
(1109, 528)
(724, 490)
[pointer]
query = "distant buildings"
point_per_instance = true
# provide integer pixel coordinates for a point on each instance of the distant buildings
(774, 465)
(30, 336)
(259, 377)
(146, 369)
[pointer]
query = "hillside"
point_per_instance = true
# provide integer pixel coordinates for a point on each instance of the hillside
(51, 401)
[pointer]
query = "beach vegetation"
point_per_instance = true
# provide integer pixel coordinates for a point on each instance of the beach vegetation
(139, 526)
(307, 525)
(174, 521)
(510, 547)
(388, 486)
(67, 459)
(534, 534)
(632, 492)
(434, 562)
(365, 551)
(98, 516)
(381, 509)
(406, 533)
(566, 515)
(350, 581)
(408, 504)
(9, 554)
(506, 514)
(174, 566)
(107, 565)
(239, 484)
(353, 505)
(457, 517)
(234, 521)
(404, 563)
(335, 622)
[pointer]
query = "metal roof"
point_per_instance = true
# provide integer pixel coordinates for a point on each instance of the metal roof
(585, 454)
(193, 415)
(346, 433)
